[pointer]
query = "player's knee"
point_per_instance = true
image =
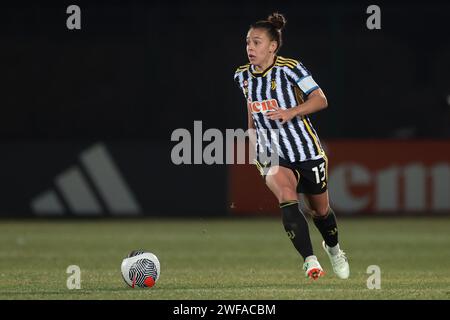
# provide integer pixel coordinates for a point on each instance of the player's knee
(321, 212)
(286, 194)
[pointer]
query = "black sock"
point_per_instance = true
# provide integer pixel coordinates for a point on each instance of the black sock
(328, 228)
(296, 227)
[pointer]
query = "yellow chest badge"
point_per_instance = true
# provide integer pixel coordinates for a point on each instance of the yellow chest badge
(273, 84)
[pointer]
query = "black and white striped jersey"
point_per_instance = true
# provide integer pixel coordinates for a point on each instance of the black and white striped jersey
(285, 84)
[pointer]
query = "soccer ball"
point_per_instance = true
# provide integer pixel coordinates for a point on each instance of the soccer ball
(140, 268)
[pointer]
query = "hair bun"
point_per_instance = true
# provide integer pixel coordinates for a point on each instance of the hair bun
(277, 20)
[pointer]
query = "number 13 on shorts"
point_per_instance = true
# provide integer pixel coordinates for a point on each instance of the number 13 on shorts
(320, 172)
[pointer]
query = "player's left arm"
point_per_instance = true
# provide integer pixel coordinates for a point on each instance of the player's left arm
(315, 102)
(315, 98)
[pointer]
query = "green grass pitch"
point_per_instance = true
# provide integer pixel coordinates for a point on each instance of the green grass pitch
(222, 259)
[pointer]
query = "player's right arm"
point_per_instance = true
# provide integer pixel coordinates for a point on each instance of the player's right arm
(250, 124)
(251, 129)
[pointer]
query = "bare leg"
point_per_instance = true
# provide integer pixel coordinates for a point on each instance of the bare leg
(283, 183)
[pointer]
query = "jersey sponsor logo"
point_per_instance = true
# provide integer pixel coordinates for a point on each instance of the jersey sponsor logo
(263, 106)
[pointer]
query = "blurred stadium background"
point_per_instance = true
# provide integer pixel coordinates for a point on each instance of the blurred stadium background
(87, 117)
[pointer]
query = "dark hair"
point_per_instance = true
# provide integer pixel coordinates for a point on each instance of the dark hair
(273, 25)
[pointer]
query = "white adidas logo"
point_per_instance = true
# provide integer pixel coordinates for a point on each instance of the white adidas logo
(80, 197)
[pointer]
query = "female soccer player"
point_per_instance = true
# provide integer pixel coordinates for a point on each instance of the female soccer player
(280, 94)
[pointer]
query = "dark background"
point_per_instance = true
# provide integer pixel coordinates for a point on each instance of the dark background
(138, 70)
